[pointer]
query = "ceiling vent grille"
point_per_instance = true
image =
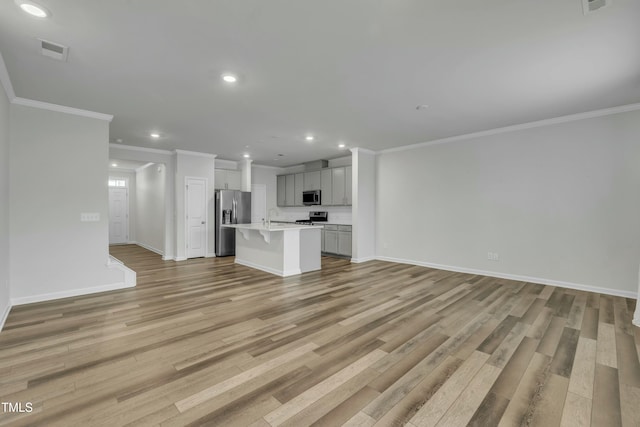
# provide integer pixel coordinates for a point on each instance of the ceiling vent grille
(54, 50)
(589, 6)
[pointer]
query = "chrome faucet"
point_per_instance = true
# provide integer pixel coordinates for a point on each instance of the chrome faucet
(269, 216)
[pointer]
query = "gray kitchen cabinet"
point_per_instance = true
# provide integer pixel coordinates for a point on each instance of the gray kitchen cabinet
(330, 240)
(298, 188)
(227, 179)
(348, 190)
(338, 186)
(281, 191)
(344, 240)
(325, 187)
(312, 181)
(290, 190)
(334, 184)
(336, 239)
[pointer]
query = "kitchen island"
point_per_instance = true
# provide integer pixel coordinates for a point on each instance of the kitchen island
(281, 249)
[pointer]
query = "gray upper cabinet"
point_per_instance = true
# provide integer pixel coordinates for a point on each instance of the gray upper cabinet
(312, 181)
(298, 188)
(290, 190)
(347, 186)
(282, 193)
(325, 187)
(334, 183)
(337, 186)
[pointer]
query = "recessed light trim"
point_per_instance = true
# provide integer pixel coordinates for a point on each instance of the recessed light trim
(229, 78)
(154, 135)
(33, 9)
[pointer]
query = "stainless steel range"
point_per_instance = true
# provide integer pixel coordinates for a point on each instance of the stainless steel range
(314, 217)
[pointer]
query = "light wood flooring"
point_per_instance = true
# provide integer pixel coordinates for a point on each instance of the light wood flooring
(208, 342)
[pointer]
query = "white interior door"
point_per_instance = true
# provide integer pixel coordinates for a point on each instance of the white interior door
(258, 202)
(196, 211)
(118, 215)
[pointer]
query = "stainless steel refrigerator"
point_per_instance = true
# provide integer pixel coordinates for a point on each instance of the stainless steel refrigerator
(232, 207)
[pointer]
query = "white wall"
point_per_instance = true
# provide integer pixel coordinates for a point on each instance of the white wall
(53, 254)
(150, 213)
(130, 176)
(167, 158)
(4, 207)
(364, 205)
(266, 175)
(559, 203)
(197, 165)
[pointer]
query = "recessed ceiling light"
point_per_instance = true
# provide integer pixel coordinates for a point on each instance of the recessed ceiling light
(229, 78)
(309, 137)
(33, 9)
(119, 140)
(115, 165)
(341, 145)
(246, 156)
(155, 135)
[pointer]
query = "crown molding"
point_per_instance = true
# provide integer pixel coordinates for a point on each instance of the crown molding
(141, 149)
(6, 81)
(523, 126)
(61, 109)
(195, 153)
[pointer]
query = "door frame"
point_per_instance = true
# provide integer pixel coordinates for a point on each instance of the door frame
(206, 214)
(128, 213)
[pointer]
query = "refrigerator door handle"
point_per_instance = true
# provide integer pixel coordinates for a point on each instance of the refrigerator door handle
(234, 213)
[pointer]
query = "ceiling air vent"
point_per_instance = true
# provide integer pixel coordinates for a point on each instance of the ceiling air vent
(53, 50)
(589, 6)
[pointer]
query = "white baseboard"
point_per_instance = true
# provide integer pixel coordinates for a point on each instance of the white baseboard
(180, 258)
(130, 276)
(559, 283)
(211, 255)
(281, 273)
(363, 259)
(150, 248)
(70, 293)
(5, 314)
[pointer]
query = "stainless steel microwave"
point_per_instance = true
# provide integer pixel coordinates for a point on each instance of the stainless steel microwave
(310, 198)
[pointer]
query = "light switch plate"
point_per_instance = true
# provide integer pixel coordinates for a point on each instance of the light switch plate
(90, 216)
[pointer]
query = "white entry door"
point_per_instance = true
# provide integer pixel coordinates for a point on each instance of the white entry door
(196, 211)
(118, 215)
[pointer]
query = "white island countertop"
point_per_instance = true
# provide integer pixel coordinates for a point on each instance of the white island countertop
(273, 227)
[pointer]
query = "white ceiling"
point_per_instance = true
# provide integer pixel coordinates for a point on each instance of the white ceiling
(126, 165)
(351, 71)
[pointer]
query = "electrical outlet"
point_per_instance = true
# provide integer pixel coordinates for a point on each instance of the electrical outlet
(90, 216)
(493, 256)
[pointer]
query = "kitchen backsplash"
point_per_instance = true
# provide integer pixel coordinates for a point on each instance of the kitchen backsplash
(337, 215)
